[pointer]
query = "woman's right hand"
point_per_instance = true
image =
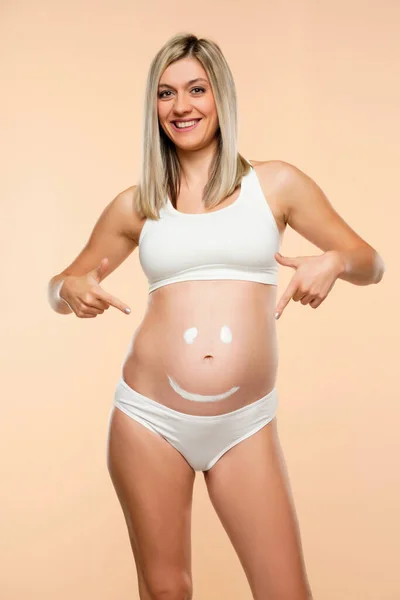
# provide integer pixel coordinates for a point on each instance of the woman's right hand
(84, 295)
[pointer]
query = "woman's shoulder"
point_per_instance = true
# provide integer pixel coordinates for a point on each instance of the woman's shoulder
(272, 164)
(272, 175)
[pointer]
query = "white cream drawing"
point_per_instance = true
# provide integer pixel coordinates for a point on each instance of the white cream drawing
(189, 336)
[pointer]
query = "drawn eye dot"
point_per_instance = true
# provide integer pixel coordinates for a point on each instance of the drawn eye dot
(190, 335)
(226, 334)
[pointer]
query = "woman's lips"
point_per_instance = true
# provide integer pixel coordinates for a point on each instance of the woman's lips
(200, 397)
(186, 128)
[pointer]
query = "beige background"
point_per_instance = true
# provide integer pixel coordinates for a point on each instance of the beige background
(318, 86)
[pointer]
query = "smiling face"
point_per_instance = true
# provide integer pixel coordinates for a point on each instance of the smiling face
(185, 94)
(189, 336)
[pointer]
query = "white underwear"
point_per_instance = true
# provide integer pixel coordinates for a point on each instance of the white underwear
(201, 439)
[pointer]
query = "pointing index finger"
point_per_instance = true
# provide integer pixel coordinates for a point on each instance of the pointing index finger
(113, 301)
(285, 299)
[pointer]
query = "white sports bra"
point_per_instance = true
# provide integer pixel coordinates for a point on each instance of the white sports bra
(237, 241)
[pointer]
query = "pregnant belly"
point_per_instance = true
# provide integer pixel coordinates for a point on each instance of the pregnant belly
(205, 348)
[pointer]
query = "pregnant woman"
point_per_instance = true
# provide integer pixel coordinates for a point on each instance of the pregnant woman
(197, 387)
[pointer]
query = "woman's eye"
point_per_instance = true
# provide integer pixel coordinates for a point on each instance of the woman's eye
(160, 95)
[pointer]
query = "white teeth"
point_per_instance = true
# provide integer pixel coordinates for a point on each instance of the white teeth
(186, 124)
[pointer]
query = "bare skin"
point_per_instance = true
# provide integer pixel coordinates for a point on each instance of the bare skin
(154, 482)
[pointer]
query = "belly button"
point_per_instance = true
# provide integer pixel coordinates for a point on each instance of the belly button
(209, 356)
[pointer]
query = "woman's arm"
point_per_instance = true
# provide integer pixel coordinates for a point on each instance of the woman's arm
(115, 236)
(312, 215)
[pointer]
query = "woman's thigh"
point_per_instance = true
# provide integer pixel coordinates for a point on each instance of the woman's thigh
(154, 485)
(250, 491)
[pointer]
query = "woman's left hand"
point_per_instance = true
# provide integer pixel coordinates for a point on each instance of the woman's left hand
(314, 278)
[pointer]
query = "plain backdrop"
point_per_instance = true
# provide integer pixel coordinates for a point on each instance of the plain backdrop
(318, 86)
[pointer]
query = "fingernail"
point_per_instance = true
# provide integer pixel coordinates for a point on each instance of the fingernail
(276, 315)
(127, 310)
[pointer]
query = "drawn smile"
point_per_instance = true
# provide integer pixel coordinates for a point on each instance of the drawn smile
(200, 397)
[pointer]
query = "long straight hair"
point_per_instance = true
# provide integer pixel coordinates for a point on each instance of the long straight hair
(160, 168)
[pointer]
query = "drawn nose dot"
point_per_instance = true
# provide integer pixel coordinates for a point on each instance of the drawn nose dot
(190, 335)
(226, 334)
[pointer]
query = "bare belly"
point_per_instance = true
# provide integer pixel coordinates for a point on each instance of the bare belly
(205, 347)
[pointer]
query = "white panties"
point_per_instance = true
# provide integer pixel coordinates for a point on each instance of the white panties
(201, 439)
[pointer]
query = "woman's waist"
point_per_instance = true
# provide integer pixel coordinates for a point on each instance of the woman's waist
(210, 379)
(200, 392)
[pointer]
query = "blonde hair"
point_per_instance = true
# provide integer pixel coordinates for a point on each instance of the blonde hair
(160, 167)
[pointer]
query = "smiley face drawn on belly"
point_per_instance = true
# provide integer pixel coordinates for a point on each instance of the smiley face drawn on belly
(189, 337)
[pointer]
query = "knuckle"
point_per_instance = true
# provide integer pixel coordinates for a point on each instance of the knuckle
(87, 297)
